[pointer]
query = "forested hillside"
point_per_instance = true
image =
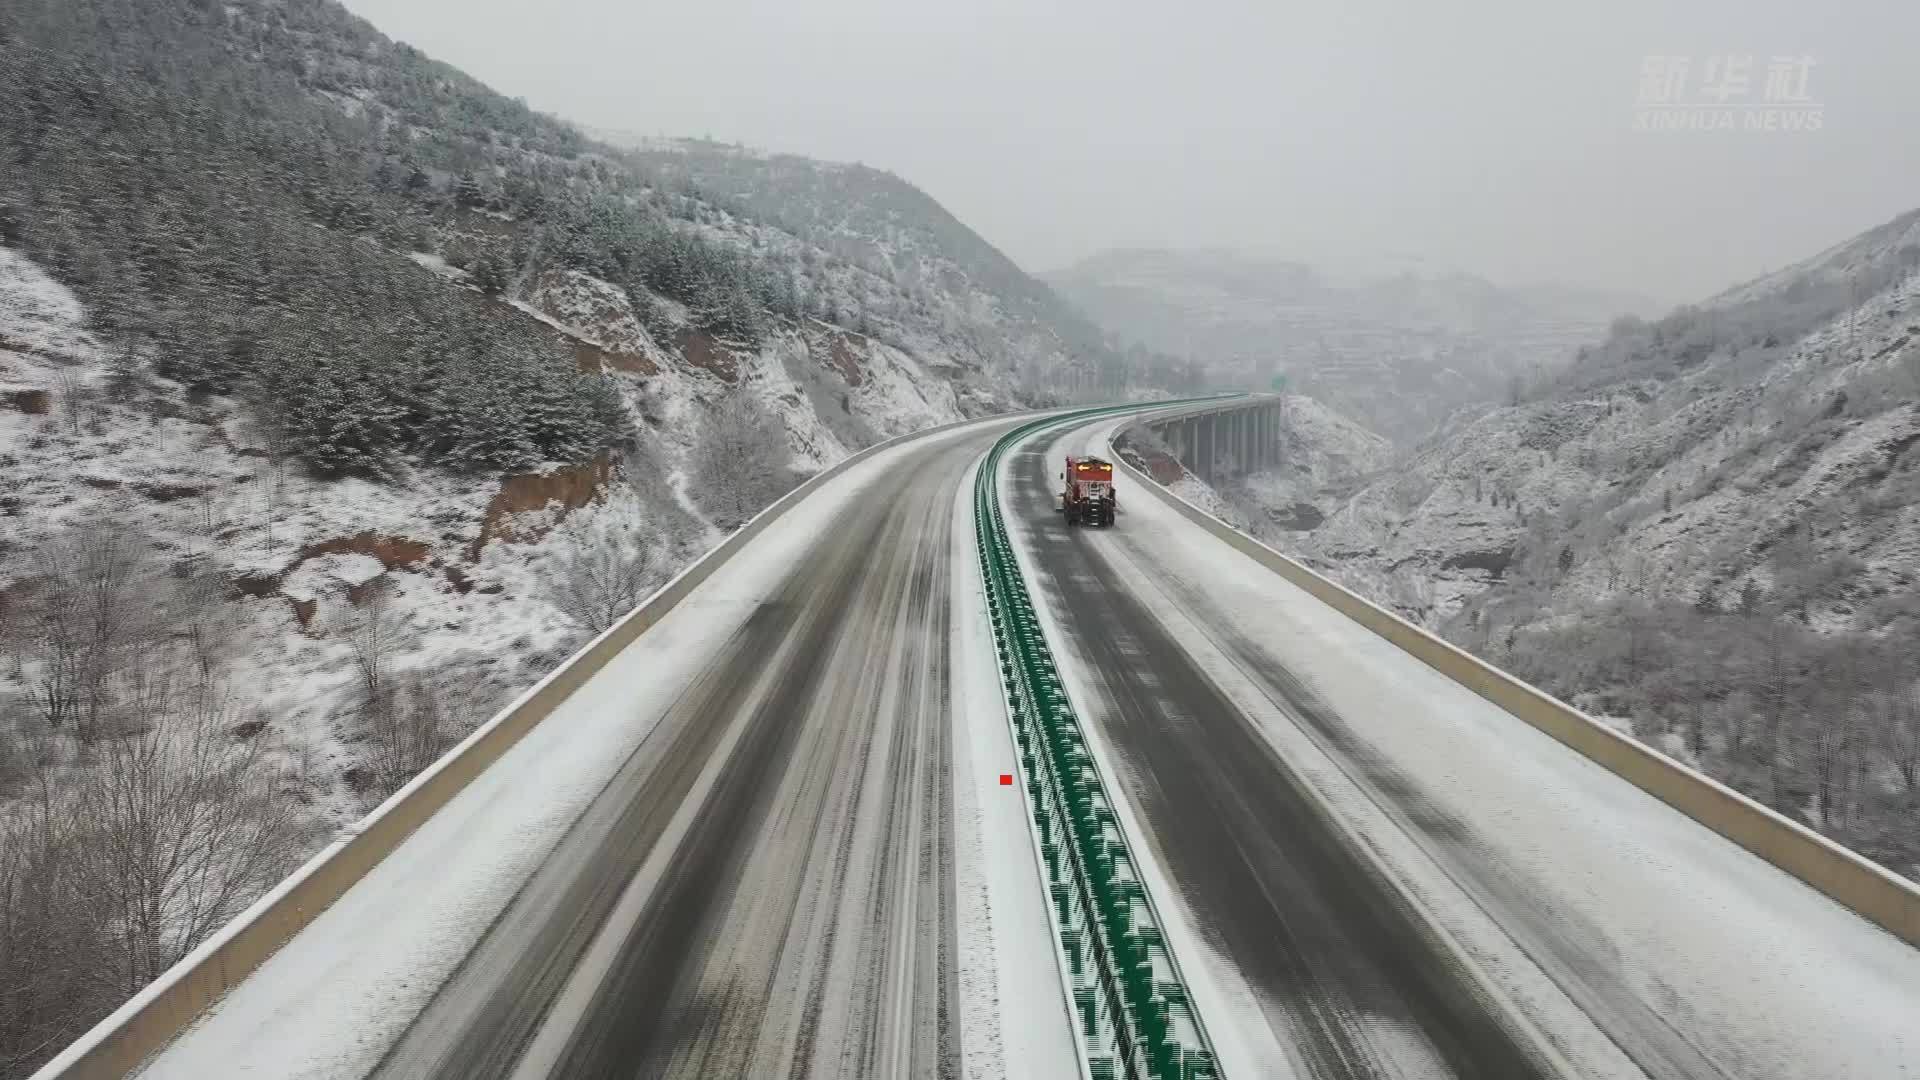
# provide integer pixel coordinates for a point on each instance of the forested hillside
(893, 230)
(1705, 528)
(226, 186)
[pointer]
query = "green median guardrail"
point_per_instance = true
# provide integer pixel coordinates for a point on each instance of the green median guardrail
(1136, 1019)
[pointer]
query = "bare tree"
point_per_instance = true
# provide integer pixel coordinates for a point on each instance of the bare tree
(89, 607)
(53, 949)
(373, 633)
(399, 713)
(180, 824)
(270, 429)
(204, 625)
(742, 461)
(201, 523)
(405, 734)
(1898, 728)
(601, 572)
(1834, 734)
(73, 398)
(111, 872)
(1776, 691)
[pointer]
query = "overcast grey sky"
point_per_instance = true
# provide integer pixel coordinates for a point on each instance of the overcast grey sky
(1491, 135)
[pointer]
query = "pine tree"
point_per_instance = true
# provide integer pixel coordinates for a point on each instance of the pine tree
(468, 193)
(489, 273)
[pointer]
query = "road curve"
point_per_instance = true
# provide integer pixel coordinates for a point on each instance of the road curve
(767, 887)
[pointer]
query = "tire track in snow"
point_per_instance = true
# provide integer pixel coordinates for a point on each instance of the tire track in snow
(1350, 985)
(803, 925)
(1578, 958)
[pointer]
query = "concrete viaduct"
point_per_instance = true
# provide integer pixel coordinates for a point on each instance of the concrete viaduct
(1223, 440)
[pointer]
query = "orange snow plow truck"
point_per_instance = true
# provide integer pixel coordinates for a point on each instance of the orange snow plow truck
(1088, 497)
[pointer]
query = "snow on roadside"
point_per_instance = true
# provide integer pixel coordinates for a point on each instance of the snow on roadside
(1199, 494)
(1760, 972)
(1522, 989)
(470, 618)
(1015, 1021)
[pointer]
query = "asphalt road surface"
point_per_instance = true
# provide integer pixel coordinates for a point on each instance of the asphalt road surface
(767, 886)
(1356, 989)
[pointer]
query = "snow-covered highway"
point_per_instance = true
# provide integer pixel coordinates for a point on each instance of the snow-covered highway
(770, 838)
(753, 845)
(1325, 808)
(776, 890)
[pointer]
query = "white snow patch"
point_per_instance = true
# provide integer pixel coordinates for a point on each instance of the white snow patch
(329, 574)
(1015, 1018)
(437, 265)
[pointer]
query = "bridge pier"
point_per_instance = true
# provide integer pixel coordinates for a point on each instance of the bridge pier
(1231, 441)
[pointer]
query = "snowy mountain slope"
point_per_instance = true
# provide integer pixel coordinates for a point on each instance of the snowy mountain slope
(1705, 528)
(1397, 351)
(481, 222)
(1706, 455)
(1863, 264)
(364, 170)
(934, 270)
(487, 197)
(354, 393)
(289, 556)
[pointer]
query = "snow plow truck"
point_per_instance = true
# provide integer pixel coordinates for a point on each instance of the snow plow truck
(1088, 497)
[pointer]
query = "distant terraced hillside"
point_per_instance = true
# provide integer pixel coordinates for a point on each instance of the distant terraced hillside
(1398, 351)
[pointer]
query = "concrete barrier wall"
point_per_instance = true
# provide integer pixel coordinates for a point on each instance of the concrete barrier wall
(119, 1044)
(1874, 892)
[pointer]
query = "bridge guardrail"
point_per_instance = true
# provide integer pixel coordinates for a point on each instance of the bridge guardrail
(1870, 890)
